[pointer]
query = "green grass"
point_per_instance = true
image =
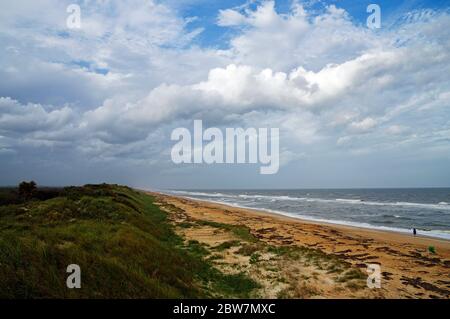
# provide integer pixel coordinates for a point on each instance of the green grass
(352, 274)
(238, 285)
(279, 250)
(226, 245)
(254, 258)
(248, 250)
(122, 241)
(197, 249)
(240, 231)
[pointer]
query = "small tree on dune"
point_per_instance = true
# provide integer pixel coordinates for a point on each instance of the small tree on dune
(27, 189)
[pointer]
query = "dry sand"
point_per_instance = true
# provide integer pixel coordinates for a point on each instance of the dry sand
(325, 260)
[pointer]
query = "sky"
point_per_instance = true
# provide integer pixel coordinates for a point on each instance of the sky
(355, 106)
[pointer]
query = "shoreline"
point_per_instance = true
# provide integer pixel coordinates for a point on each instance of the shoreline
(322, 222)
(408, 268)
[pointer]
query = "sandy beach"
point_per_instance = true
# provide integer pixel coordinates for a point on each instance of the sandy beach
(293, 258)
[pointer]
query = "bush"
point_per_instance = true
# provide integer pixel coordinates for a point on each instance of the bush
(27, 189)
(123, 242)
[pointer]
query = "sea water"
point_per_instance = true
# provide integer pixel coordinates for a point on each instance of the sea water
(426, 209)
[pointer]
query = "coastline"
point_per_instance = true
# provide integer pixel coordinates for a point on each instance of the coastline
(438, 234)
(409, 270)
(303, 219)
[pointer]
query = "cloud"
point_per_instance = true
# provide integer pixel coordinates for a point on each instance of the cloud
(122, 47)
(229, 18)
(285, 41)
(364, 125)
(18, 118)
(115, 89)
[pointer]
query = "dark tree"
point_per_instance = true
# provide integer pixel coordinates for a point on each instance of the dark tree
(27, 189)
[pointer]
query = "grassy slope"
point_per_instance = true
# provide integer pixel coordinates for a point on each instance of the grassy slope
(123, 243)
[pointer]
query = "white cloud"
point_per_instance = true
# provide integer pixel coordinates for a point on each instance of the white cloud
(117, 87)
(229, 17)
(134, 42)
(396, 129)
(18, 118)
(285, 41)
(364, 125)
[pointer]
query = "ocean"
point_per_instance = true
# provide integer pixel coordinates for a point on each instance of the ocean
(426, 209)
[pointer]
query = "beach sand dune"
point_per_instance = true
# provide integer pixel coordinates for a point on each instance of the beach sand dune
(294, 258)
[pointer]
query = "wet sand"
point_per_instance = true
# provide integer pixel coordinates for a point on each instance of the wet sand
(409, 269)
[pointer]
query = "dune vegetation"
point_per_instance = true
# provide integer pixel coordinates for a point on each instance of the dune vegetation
(122, 241)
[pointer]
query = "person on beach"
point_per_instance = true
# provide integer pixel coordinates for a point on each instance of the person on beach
(414, 232)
